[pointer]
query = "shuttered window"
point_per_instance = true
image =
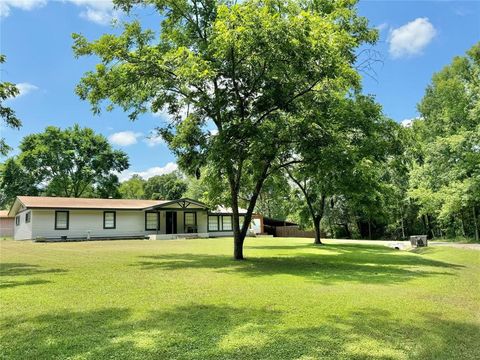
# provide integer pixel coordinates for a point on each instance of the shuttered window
(28, 216)
(17, 220)
(61, 220)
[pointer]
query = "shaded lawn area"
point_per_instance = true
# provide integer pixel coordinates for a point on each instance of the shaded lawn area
(186, 299)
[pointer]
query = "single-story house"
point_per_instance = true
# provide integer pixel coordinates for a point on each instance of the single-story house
(6, 224)
(39, 217)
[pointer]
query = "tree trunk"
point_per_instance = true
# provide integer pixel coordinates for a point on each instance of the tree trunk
(430, 227)
(238, 247)
(347, 230)
(403, 228)
(238, 239)
(475, 222)
(330, 225)
(369, 229)
(424, 221)
(462, 222)
(317, 218)
(239, 234)
(316, 223)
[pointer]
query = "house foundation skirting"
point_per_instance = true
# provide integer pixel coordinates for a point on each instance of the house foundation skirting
(190, 235)
(177, 236)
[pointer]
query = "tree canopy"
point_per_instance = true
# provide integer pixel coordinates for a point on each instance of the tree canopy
(244, 68)
(8, 90)
(165, 187)
(445, 180)
(133, 188)
(73, 162)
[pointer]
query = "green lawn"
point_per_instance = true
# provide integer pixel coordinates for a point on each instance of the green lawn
(186, 299)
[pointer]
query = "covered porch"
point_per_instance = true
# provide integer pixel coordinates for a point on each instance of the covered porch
(183, 218)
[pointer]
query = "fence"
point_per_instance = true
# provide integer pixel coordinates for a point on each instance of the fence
(294, 231)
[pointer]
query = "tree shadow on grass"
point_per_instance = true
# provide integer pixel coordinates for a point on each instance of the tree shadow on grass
(344, 263)
(226, 332)
(13, 274)
(338, 247)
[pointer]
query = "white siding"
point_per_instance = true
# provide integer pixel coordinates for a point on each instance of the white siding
(202, 219)
(23, 231)
(220, 233)
(81, 222)
(85, 222)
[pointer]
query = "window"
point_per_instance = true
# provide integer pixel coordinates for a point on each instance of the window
(190, 222)
(17, 220)
(190, 218)
(109, 219)
(61, 220)
(213, 223)
(151, 220)
(28, 217)
(226, 223)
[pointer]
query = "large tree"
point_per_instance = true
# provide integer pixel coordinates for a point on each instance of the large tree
(342, 147)
(275, 199)
(166, 187)
(8, 90)
(133, 188)
(445, 180)
(14, 181)
(73, 162)
(243, 67)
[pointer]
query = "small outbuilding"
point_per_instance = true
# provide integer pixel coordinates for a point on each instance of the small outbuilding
(263, 225)
(6, 224)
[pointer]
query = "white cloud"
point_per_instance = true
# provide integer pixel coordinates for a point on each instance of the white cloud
(463, 11)
(150, 172)
(97, 16)
(6, 5)
(97, 11)
(164, 115)
(25, 88)
(411, 38)
(153, 140)
(124, 138)
(160, 114)
(382, 26)
(407, 123)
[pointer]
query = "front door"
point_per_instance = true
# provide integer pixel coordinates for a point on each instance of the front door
(171, 222)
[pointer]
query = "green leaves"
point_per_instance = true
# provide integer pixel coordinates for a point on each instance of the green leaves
(248, 69)
(446, 180)
(67, 162)
(7, 91)
(165, 187)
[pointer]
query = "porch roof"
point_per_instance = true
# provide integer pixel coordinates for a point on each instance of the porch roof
(183, 204)
(192, 205)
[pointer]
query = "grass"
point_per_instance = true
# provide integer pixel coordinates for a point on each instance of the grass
(186, 299)
(458, 239)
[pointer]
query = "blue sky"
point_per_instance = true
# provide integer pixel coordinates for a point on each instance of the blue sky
(417, 38)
